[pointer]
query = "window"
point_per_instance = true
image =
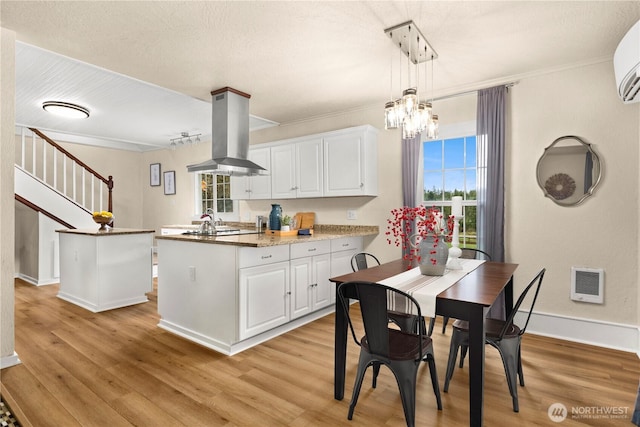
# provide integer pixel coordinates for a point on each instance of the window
(450, 170)
(214, 192)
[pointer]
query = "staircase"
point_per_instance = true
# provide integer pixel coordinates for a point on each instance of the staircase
(55, 190)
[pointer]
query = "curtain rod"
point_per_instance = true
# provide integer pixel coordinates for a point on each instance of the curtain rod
(469, 92)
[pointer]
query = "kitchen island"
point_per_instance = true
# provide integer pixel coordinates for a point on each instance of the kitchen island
(103, 270)
(229, 293)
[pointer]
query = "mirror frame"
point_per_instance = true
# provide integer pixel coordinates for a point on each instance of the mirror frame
(596, 160)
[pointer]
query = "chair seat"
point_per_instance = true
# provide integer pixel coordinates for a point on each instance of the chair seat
(493, 327)
(403, 346)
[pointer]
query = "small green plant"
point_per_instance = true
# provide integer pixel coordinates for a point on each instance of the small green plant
(286, 220)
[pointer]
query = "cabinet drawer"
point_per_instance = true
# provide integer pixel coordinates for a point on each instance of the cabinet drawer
(346, 243)
(299, 250)
(249, 257)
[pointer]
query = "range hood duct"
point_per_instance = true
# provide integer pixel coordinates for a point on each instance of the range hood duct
(230, 136)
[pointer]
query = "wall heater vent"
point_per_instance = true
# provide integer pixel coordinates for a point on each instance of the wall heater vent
(587, 284)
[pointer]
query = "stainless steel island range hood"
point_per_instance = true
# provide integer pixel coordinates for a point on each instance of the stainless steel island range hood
(230, 136)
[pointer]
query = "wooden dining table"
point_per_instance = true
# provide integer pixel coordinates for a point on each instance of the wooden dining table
(470, 298)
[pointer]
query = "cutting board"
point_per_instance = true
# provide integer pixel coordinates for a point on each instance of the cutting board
(305, 219)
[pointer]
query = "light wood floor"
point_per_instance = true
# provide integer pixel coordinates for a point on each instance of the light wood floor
(117, 368)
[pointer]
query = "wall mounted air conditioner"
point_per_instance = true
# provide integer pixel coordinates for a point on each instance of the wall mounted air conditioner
(626, 64)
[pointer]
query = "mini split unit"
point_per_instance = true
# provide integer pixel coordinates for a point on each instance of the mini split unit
(626, 64)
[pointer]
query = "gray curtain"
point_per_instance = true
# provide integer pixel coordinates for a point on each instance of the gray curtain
(490, 133)
(410, 166)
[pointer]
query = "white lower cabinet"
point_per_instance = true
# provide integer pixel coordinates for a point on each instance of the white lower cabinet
(264, 298)
(310, 286)
(263, 289)
(342, 250)
(230, 298)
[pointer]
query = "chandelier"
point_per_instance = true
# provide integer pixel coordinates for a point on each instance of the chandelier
(413, 111)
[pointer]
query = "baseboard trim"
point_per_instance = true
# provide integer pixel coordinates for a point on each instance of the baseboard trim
(8, 361)
(611, 335)
(36, 282)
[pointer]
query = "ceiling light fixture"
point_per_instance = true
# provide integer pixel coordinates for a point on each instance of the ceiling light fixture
(185, 137)
(412, 111)
(65, 109)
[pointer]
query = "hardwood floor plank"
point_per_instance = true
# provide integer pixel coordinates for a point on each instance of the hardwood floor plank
(118, 368)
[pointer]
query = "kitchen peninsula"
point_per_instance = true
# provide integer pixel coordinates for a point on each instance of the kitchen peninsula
(105, 269)
(229, 293)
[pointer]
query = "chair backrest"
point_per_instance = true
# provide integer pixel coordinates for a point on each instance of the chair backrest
(376, 302)
(537, 281)
(363, 260)
(472, 253)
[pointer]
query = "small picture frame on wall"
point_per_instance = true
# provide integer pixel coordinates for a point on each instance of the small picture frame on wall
(154, 174)
(170, 182)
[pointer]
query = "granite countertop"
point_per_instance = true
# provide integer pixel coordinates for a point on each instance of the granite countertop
(321, 232)
(107, 232)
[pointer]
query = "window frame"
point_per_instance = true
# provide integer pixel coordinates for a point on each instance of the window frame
(197, 201)
(452, 131)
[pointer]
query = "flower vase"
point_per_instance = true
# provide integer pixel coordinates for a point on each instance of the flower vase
(434, 253)
(274, 217)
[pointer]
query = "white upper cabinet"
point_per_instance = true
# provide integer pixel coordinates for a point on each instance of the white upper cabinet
(330, 164)
(351, 162)
(256, 187)
(297, 169)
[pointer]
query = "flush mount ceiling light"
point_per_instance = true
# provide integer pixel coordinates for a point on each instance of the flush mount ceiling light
(66, 109)
(185, 137)
(412, 110)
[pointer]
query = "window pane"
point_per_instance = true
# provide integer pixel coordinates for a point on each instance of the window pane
(471, 151)
(470, 182)
(453, 183)
(432, 155)
(454, 153)
(433, 186)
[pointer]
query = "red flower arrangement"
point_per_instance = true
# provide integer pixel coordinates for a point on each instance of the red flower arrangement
(427, 222)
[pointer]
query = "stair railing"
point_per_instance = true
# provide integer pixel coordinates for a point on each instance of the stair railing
(54, 166)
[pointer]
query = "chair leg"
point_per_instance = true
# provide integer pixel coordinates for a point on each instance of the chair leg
(376, 371)
(434, 379)
(445, 320)
(363, 364)
(432, 323)
(509, 349)
(406, 373)
(520, 366)
(456, 339)
(463, 354)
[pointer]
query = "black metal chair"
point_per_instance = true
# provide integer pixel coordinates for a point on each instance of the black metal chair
(467, 253)
(401, 348)
(504, 335)
(363, 260)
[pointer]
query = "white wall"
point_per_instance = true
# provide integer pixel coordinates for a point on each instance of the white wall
(7, 213)
(602, 232)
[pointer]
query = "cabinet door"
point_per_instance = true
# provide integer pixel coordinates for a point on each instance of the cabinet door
(301, 286)
(254, 187)
(264, 298)
(260, 185)
(283, 175)
(351, 163)
(309, 169)
(343, 175)
(323, 289)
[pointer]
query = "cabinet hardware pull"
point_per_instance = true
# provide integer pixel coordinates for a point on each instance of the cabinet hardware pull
(288, 292)
(344, 245)
(311, 250)
(265, 256)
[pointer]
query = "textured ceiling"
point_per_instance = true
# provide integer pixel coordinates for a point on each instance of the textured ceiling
(147, 68)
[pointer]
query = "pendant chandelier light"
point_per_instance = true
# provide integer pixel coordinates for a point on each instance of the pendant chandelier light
(412, 111)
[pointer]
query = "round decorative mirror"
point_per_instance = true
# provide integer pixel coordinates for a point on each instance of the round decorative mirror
(568, 171)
